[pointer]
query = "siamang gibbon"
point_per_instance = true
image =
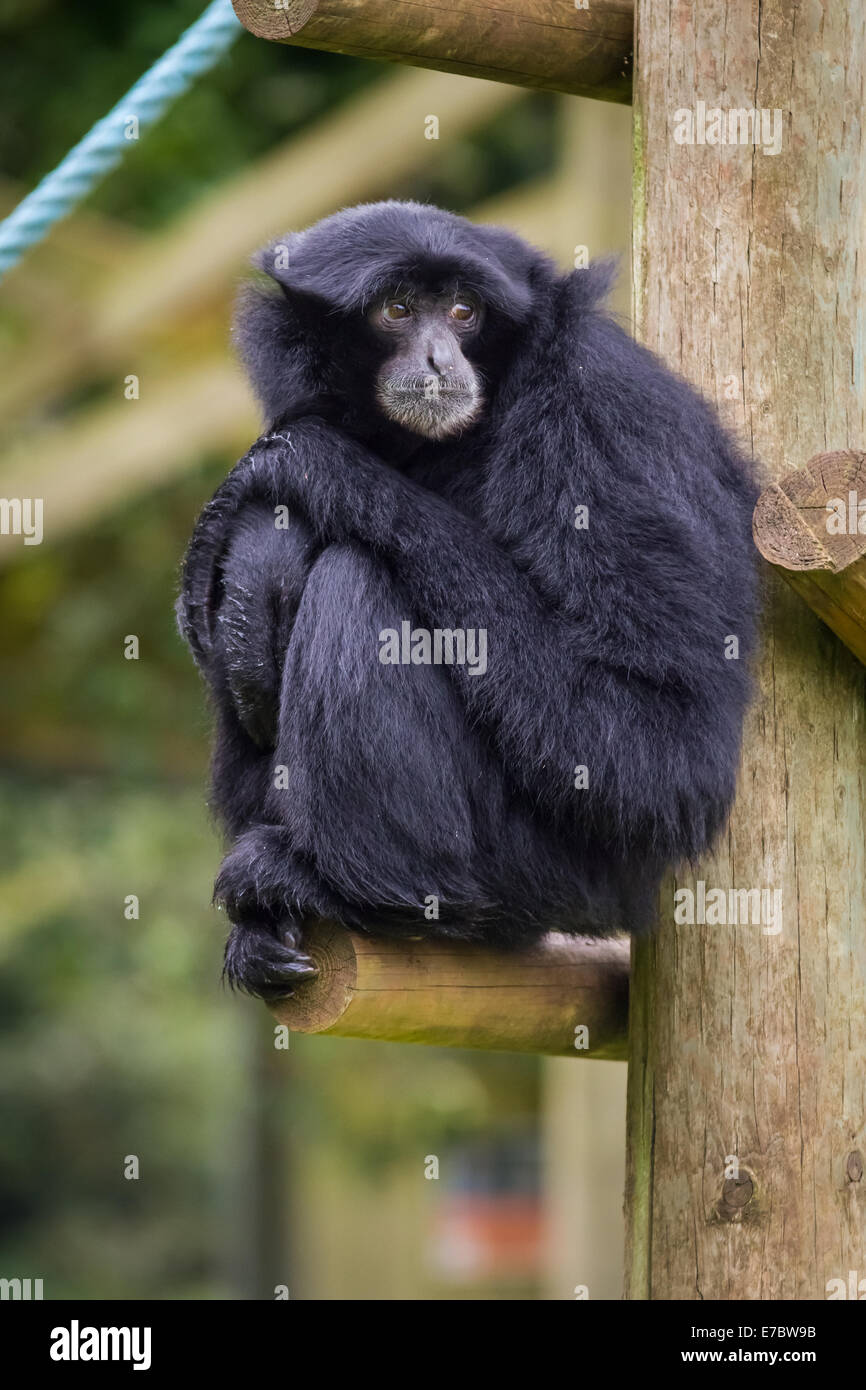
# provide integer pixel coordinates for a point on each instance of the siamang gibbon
(476, 609)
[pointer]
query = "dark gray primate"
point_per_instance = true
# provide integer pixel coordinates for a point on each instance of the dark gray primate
(459, 440)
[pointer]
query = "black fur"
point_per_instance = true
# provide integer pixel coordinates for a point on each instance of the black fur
(606, 646)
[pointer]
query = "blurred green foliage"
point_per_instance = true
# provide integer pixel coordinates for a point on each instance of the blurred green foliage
(66, 66)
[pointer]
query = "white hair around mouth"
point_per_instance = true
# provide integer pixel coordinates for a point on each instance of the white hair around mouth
(431, 405)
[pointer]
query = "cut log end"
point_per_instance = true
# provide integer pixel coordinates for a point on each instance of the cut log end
(276, 21)
(565, 996)
(806, 522)
(320, 1003)
(808, 526)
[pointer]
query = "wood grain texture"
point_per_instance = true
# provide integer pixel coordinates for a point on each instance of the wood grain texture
(455, 995)
(826, 566)
(838, 599)
(792, 526)
(530, 43)
(747, 271)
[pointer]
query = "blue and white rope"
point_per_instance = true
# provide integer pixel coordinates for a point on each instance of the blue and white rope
(196, 51)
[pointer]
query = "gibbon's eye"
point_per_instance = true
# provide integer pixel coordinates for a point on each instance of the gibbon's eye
(395, 310)
(462, 311)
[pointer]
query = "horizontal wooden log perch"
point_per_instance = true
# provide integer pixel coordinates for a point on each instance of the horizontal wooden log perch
(450, 994)
(549, 44)
(809, 526)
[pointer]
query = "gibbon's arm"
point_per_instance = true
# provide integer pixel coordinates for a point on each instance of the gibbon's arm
(264, 575)
(645, 701)
(244, 575)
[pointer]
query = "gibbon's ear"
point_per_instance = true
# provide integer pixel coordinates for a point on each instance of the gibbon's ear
(281, 338)
(280, 261)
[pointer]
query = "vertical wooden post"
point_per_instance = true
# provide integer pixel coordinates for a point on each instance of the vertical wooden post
(747, 1088)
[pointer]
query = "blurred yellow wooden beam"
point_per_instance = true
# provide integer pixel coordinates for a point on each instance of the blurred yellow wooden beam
(96, 460)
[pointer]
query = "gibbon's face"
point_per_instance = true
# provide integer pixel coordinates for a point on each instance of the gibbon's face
(426, 384)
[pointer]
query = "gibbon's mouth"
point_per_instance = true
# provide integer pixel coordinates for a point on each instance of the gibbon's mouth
(432, 406)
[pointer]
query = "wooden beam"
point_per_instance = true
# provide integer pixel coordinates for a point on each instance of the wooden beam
(809, 526)
(455, 995)
(527, 43)
(838, 599)
(90, 240)
(51, 285)
(747, 1085)
(108, 452)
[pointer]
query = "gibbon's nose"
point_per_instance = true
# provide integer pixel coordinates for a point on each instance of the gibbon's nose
(440, 354)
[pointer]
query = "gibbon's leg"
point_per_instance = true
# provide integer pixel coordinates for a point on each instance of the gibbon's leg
(261, 582)
(378, 786)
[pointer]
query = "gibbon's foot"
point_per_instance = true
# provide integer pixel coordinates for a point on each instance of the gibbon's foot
(268, 892)
(266, 961)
